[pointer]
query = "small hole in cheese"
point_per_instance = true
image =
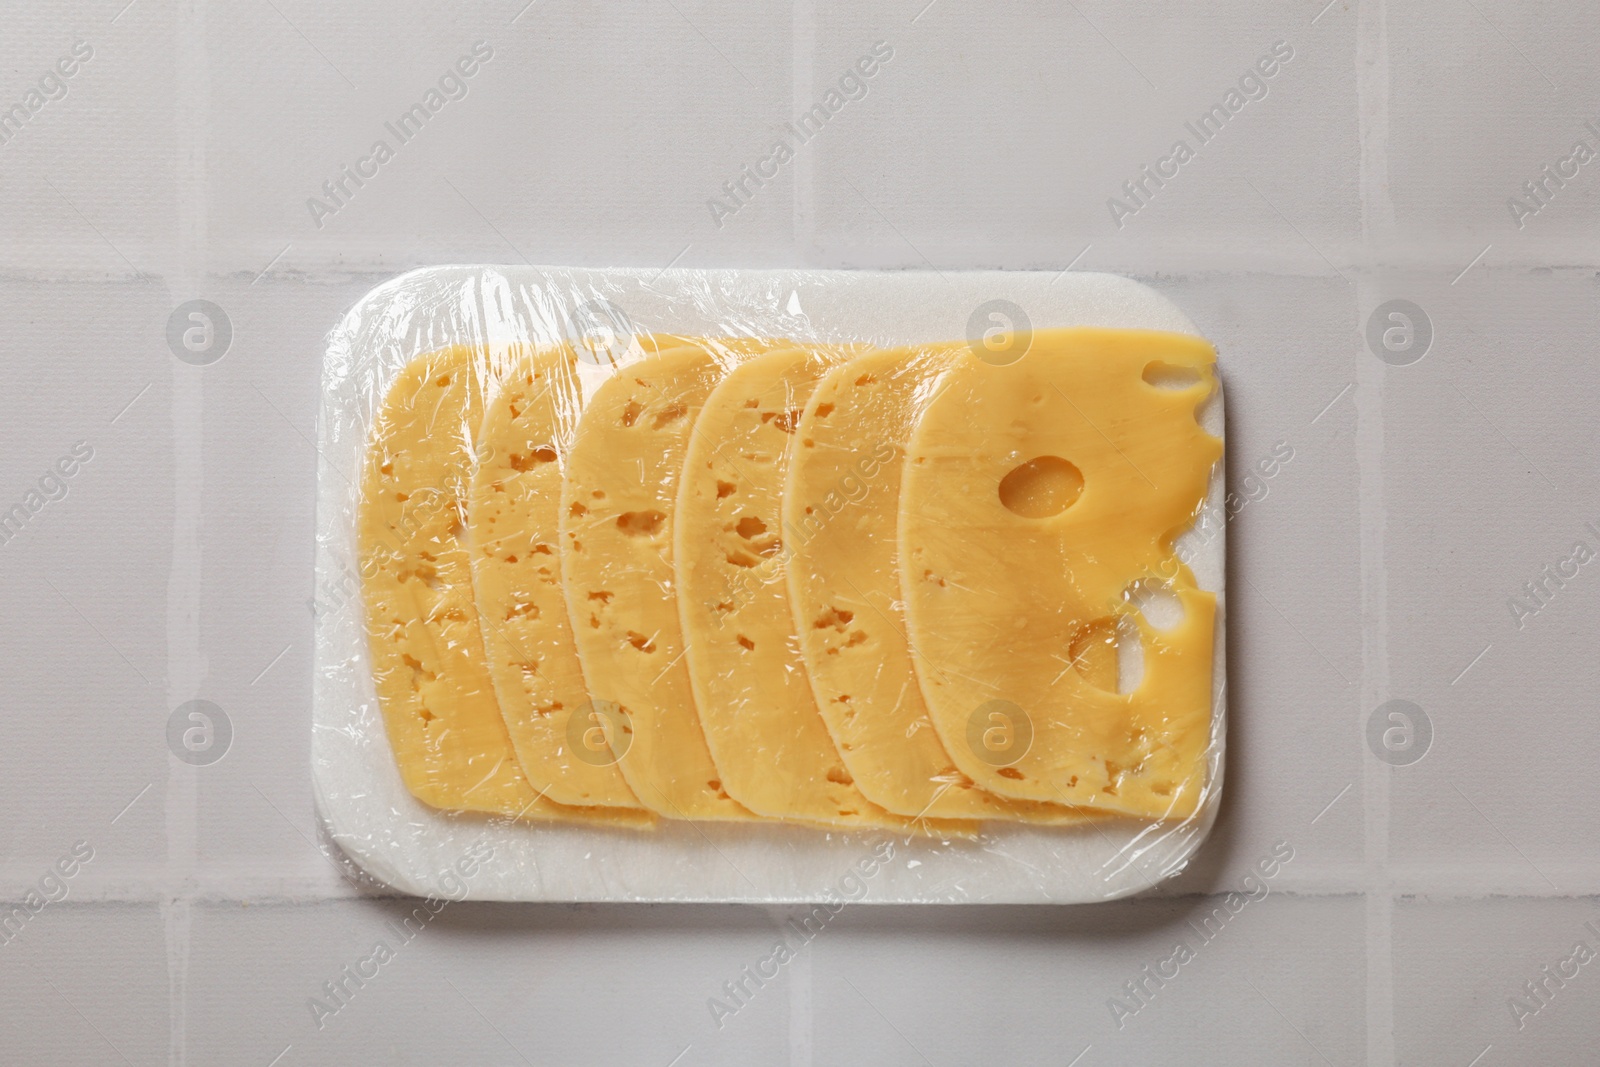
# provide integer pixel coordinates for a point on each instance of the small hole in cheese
(724, 489)
(542, 454)
(747, 644)
(750, 527)
(1130, 656)
(1157, 602)
(783, 420)
(668, 414)
(641, 523)
(1041, 487)
(1163, 375)
(1109, 654)
(838, 618)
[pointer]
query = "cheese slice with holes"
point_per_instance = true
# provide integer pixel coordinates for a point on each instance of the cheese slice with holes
(561, 737)
(1038, 496)
(766, 736)
(432, 679)
(840, 511)
(617, 518)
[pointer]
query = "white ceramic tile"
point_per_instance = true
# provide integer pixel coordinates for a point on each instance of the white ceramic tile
(1461, 977)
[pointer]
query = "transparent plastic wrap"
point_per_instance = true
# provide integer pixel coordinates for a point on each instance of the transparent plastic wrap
(769, 586)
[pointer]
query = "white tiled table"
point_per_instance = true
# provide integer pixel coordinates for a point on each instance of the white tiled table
(1378, 565)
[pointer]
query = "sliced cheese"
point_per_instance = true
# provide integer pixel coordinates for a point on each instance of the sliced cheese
(766, 736)
(617, 519)
(840, 511)
(1038, 496)
(562, 738)
(432, 679)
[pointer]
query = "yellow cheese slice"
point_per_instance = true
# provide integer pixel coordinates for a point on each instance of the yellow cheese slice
(748, 678)
(618, 508)
(1037, 495)
(561, 736)
(840, 511)
(428, 663)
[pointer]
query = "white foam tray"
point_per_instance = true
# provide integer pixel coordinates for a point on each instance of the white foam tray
(407, 845)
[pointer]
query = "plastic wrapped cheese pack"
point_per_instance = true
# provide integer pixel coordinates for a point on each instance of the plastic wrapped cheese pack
(768, 586)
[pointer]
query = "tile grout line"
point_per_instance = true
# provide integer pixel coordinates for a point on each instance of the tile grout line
(185, 657)
(801, 1011)
(803, 43)
(804, 40)
(1378, 228)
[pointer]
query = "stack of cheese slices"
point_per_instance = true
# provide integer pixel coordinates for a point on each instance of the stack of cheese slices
(755, 580)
